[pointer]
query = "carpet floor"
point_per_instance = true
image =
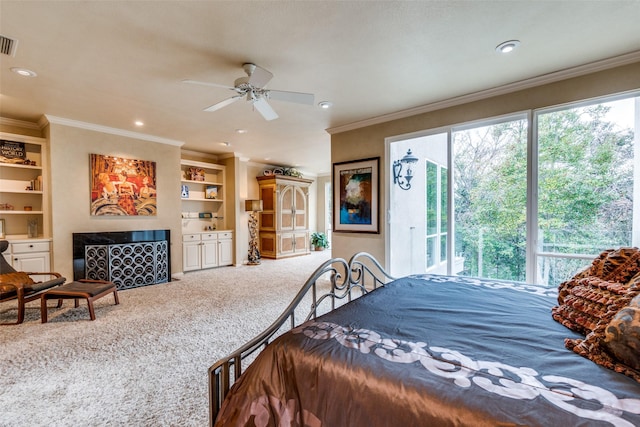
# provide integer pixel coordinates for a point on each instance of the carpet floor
(143, 362)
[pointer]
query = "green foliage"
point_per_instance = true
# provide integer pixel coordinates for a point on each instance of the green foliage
(585, 189)
(319, 240)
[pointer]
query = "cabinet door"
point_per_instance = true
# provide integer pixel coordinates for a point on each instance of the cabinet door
(209, 253)
(268, 244)
(300, 209)
(268, 214)
(225, 246)
(33, 262)
(191, 256)
(286, 244)
(301, 242)
(287, 208)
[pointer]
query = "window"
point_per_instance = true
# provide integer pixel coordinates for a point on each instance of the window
(536, 195)
(587, 158)
(490, 194)
(436, 201)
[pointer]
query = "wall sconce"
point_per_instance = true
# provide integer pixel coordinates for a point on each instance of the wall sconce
(253, 206)
(404, 182)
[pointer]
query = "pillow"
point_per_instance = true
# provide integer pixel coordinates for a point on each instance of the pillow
(614, 343)
(622, 335)
(589, 300)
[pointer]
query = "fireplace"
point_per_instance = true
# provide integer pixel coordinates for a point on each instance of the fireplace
(127, 258)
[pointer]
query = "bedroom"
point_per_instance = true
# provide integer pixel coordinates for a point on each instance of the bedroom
(607, 55)
(604, 73)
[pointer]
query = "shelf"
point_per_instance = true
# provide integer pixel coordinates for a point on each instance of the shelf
(211, 181)
(11, 165)
(201, 199)
(21, 191)
(15, 178)
(6, 212)
(191, 181)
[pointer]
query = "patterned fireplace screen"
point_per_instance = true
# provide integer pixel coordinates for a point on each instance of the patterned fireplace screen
(128, 259)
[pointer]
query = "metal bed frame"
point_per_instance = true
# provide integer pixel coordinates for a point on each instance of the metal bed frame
(346, 281)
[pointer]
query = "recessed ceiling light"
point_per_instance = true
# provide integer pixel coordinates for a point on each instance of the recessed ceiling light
(226, 144)
(508, 46)
(139, 123)
(325, 105)
(241, 131)
(24, 72)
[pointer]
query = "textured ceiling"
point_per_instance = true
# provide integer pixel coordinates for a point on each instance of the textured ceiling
(112, 62)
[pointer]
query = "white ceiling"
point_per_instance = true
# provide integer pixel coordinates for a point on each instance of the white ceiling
(110, 63)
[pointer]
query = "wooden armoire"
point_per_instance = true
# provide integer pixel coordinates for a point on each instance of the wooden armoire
(284, 220)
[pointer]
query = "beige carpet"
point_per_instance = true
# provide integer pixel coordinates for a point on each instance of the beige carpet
(143, 362)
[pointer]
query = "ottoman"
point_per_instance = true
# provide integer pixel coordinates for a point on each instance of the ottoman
(90, 290)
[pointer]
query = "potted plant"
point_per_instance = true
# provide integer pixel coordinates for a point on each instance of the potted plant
(319, 241)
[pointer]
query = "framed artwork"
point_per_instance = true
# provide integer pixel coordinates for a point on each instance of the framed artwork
(195, 174)
(2, 232)
(356, 190)
(121, 186)
(211, 192)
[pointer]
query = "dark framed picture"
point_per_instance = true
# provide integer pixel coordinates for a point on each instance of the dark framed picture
(356, 190)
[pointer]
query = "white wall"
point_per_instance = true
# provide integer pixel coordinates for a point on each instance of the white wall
(407, 208)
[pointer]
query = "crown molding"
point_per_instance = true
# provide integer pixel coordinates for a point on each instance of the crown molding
(19, 123)
(109, 130)
(208, 156)
(553, 77)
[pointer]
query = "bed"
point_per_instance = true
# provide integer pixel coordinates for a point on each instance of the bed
(419, 350)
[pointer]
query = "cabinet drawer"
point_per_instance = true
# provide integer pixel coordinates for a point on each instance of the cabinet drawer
(209, 236)
(227, 235)
(19, 248)
(190, 237)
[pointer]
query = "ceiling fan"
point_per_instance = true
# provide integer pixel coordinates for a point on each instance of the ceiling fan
(253, 88)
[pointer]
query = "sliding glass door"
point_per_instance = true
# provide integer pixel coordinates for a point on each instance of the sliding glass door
(530, 197)
(490, 198)
(587, 164)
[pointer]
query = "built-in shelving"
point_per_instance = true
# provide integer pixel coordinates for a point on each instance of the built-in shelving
(23, 188)
(203, 201)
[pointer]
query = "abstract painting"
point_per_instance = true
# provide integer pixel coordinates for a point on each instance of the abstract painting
(355, 196)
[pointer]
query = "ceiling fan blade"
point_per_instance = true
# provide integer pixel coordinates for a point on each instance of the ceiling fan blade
(196, 82)
(298, 97)
(224, 103)
(265, 109)
(258, 76)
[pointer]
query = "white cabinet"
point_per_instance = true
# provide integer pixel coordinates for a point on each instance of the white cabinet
(23, 189)
(191, 253)
(207, 250)
(32, 255)
(225, 248)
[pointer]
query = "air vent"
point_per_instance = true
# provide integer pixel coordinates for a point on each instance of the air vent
(8, 46)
